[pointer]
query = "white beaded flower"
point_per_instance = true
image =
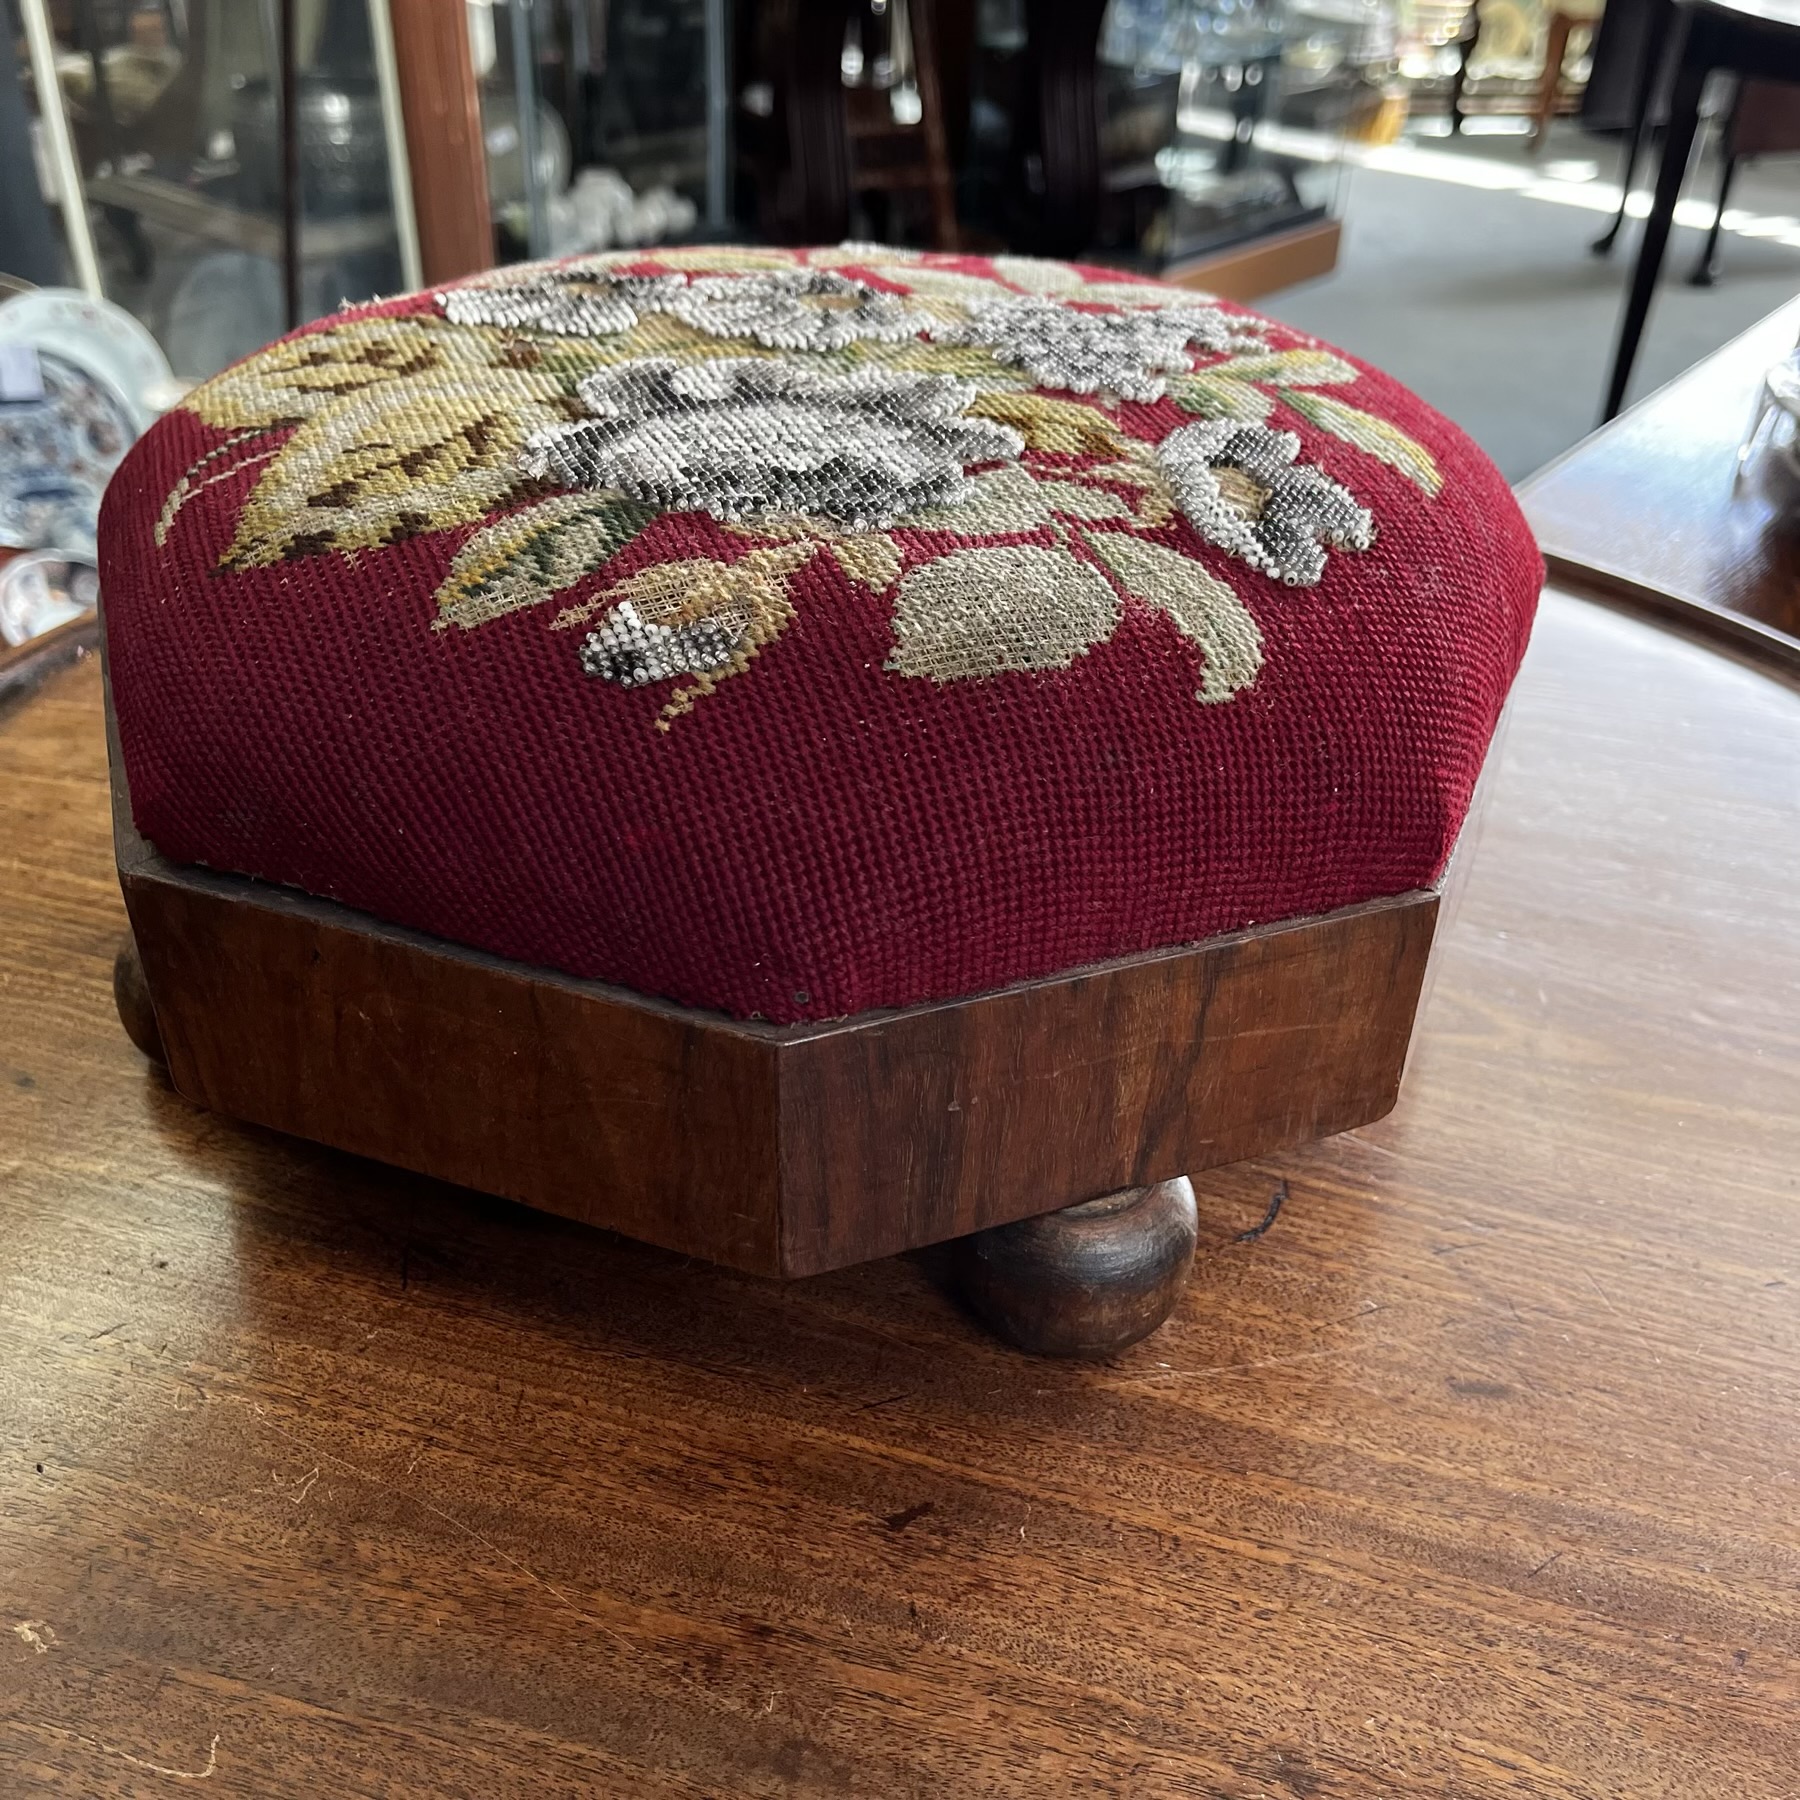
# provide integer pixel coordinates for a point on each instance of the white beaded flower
(745, 436)
(1244, 491)
(802, 309)
(564, 303)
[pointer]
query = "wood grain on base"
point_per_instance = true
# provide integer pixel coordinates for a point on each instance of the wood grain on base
(777, 1150)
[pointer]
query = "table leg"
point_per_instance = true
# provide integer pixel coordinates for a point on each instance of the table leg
(1662, 17)
(1706, 270)
(1684, 120)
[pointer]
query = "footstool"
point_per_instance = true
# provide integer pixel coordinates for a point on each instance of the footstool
(800, 755)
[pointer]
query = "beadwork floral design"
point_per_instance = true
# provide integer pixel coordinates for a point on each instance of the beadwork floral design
(1241, 487)
(751, 435)
(780, 309)
(1014, 457)
(1125, 353)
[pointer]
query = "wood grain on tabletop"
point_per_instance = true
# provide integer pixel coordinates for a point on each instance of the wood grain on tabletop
(1476, 1476)
(1646, 505)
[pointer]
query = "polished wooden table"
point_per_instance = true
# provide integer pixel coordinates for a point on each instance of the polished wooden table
(1645, 509)
(1476, 1476)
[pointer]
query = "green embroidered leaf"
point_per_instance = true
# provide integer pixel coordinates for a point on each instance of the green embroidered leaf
(1216, 396)
(997, 608)
(1289, 369)
(528, 556)
(1375, 437)
(1205, 608)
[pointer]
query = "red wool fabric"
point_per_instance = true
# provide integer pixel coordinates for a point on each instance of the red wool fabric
(819, 835)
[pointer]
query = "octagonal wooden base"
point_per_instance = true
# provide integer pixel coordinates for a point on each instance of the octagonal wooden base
(781, 1150)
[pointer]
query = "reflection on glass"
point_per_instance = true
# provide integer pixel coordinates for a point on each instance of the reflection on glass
(596, 119)
(174, 111)
(1223, 120)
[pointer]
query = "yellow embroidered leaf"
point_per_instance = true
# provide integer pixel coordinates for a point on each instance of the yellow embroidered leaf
(1206, 609)
(870, 557)
(298, 377)
(1062, 427)
(1216, 396)
(529, 556)
(387, 463)
(1374, 437)
(1289, 369)
(997, 608)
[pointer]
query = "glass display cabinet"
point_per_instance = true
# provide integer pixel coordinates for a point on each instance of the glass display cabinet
(1223, 121)
(600, 120)
(166, 116)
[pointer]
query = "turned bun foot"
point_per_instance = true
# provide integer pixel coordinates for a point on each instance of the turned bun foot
(1089, 1280)
(131, 994)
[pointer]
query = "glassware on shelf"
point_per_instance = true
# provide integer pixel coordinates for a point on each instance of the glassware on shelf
(1768, 459)
(1224, 120)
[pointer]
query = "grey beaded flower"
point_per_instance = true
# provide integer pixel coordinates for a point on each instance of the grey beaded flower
(1243, 490)
(634, 651)
(745, 436)
(1128, 354)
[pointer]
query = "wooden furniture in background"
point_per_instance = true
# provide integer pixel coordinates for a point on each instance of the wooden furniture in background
(821, 143)
(1646, 509)
(1557, 31)
(1266, 265)
(442, 110)
(1764, 120)
(1474, 1474)
(887, 157)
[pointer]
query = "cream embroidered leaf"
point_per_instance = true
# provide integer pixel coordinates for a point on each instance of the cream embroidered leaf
(1014, 498)
(529, 556)
(1077, 500)
(1204, 607)
(1289, 369)
(999, 608)
(1374, 437)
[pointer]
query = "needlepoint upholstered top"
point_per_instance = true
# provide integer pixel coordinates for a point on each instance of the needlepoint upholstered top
(795, 633)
